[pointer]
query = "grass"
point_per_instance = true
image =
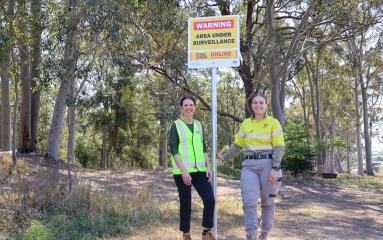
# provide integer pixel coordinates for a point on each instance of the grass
(228, 172)
(87, 215)
(42, 210)
(344, 180)
(6, 169)
(356, 181)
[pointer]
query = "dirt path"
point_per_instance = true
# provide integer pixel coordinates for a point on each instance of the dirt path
(305, 210)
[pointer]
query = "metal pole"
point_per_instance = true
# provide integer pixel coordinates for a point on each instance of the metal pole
(214, 140)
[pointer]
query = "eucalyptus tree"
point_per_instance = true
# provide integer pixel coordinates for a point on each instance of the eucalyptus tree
(277, 34)
(366, 54)
(72, 18)
(6, 48)
(36, 31)
(22, 38)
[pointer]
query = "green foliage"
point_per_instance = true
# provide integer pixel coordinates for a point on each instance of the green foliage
(36, 231)
(87, 154)
(299, 154)
(228, 172)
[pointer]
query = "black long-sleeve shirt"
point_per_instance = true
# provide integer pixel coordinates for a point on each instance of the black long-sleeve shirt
(174, 139)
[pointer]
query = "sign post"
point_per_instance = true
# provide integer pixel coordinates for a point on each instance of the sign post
(214, 42)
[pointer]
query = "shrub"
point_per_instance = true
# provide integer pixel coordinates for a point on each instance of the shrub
(88, 155)
(36, 231)
(299, 156)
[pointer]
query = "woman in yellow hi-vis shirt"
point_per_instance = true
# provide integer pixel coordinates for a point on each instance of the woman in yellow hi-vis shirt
(191, 167)
(261, 140)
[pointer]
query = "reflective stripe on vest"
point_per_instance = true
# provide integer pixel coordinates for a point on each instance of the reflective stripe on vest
(258, 148)
(191, 153)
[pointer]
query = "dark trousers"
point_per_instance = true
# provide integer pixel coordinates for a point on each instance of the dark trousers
(205, 191)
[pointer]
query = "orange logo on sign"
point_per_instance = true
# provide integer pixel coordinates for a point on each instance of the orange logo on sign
(220, 54)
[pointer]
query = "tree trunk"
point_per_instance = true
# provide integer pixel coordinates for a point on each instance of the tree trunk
(71, 102)
(25, 144)
(35, 70)
(104, 156)
(163, 146)
(314, 83)
(330, 159)
(357, 129)
(57, 125)
(5, 138)
(5, 107)
(338, 160)
(245, 70)
(273, 55)
(348, 153)
(367, 139)
(14, 119)
(71, 135)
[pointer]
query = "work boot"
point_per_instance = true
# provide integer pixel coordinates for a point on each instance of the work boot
(263, 235)
(207, 236)
(186, 236)
(251, 236)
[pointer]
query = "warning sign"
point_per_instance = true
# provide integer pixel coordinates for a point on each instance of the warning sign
(213, 42)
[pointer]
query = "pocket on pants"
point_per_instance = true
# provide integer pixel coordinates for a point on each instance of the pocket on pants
(277, 185)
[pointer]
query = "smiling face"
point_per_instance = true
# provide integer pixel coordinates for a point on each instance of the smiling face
(188, 108)
(259, 105)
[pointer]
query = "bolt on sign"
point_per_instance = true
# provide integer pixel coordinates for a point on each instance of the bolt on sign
(213, 42)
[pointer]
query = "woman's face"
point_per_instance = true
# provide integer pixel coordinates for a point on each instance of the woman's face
(258, 105)
(187, 108)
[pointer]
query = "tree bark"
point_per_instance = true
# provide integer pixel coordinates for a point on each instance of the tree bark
(57, 125)
(5, 139)
(348, 153)
(25, 144)
(273, 55)
(338, 160)
(71, 102)
(357, 129)
(5, 107)
(14, 119)
(358, 54)
(35, 70)
(367, 139)
(104, 155)
(314, 83)
(163, 145)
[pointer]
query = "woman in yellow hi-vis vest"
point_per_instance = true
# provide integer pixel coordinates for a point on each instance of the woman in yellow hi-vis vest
(260, 137)
(191, 167)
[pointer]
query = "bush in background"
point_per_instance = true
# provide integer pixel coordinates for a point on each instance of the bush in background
(299, 156)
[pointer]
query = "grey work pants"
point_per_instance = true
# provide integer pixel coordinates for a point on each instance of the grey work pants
(254, 182)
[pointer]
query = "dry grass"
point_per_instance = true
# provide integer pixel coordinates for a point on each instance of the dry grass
(6, 168)
(42, 207)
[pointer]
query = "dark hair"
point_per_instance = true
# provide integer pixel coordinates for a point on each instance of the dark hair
(187, 97)
(250, 99)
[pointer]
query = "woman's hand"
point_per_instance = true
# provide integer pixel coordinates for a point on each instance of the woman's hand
(209, 175)
(186, 178)
(273, 177)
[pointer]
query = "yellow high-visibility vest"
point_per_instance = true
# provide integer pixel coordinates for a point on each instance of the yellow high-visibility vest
(190, 147)
(260, 136)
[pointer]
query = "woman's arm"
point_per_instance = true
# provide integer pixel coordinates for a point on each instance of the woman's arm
(232, 152)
